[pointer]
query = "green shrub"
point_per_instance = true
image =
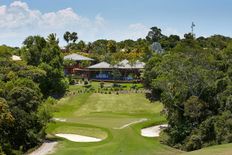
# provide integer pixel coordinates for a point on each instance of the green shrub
(116, 85)
(194, 143)
(134, 86)
(86, 82)
(1, 151)
(88, 86)
(101, 84)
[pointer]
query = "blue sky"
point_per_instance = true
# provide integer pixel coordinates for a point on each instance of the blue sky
(111, 19)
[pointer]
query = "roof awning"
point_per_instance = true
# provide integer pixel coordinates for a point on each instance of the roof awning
(77, 57)
(101, 65)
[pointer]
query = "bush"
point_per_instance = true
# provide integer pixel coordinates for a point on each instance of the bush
(72, 82)
(194, 143)
(1, 152)
(133, 86)
(88, 86)
(116, 85)
(101, 84)
(86, 82)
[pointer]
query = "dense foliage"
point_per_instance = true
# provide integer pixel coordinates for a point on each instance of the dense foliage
(112, 51)
(24, 92)
(194, 82)
(46, 55)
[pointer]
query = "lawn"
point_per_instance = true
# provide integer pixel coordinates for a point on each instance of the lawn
(225, 149)
(101, 116)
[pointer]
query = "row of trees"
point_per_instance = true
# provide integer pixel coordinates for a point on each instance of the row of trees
(111, 51)
(25, 90)
(193, 80)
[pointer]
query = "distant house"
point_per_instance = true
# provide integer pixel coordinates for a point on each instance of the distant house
(103, 71)
(16, 58)
(77, 68)
(128, 71)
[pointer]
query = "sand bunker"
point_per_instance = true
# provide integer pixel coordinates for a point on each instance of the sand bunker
(78, 138)
(153, 131)
(59, 119)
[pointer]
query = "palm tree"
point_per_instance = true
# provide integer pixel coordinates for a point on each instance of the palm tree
(73, 37)
(67, 36)
(52, 38)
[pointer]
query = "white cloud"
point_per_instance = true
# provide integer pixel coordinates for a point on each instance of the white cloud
(2, 10)
(19, 15)
(18, 20)
(19, 4)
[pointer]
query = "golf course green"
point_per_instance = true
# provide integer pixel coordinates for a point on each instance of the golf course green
(116, 119)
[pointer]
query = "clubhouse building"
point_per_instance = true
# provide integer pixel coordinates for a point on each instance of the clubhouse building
(123, 71)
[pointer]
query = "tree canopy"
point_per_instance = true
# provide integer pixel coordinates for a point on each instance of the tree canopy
(193, 81)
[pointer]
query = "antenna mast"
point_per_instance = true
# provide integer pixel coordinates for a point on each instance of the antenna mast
(192, 27)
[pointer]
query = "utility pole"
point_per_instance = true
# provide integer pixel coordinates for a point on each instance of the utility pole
(192, 27)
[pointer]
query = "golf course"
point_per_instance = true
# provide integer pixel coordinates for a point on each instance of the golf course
(115, 118)
(110, 123)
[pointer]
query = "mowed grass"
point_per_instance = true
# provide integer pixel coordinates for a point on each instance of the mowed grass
(225, 149)
(123, 103)
(100, 115)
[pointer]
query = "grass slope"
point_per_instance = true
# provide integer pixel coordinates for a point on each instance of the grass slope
(225, 149)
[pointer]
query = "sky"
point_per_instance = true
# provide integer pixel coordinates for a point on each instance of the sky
(111, 19)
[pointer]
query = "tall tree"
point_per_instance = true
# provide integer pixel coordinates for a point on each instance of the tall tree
(73, 37)
(32, 49)
(154, 35)
(48, 56)
(52, 62)
(67, 36)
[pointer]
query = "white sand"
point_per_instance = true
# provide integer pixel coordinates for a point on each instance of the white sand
(134, 122)
(153, 131)
(78, 138)
(59, 119)
(45, 148)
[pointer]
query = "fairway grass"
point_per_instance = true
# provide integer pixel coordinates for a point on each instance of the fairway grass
(225, 149)
(102, 116)
(123, 103)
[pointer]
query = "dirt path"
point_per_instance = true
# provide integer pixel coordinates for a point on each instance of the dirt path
(46, 148)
